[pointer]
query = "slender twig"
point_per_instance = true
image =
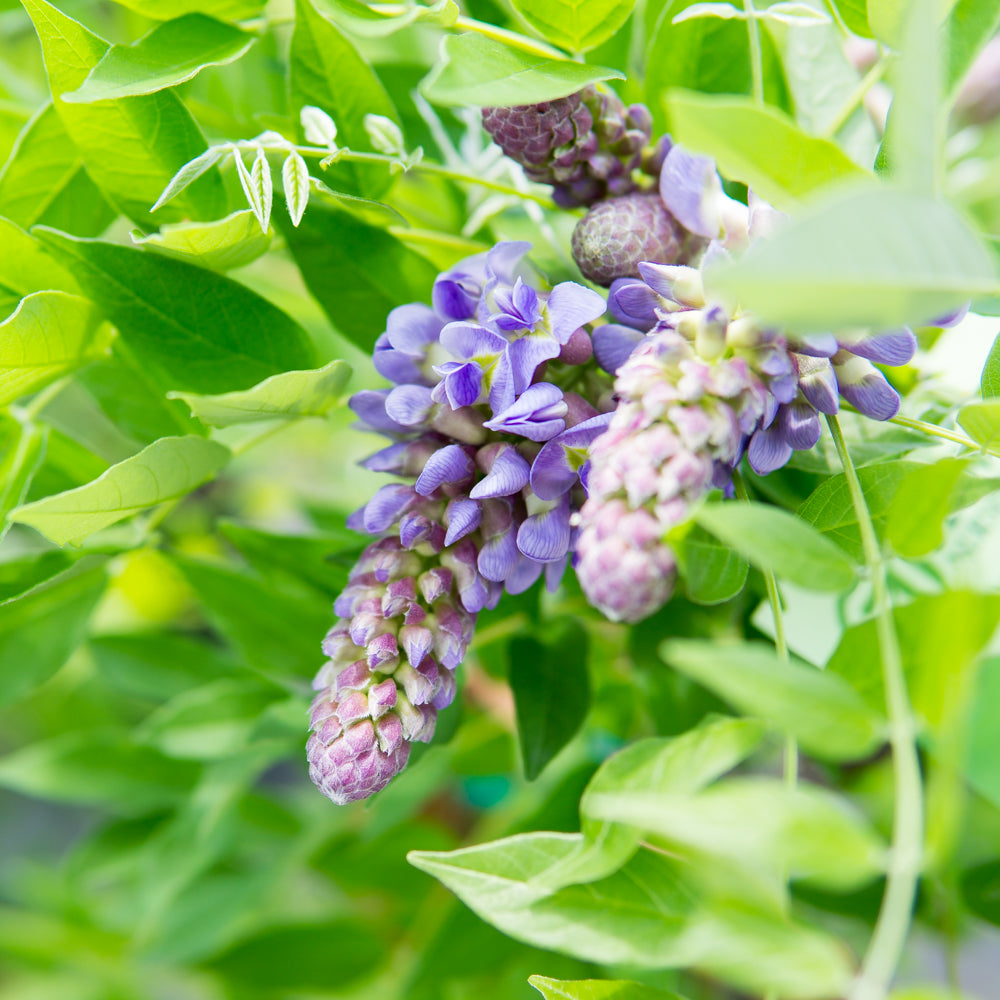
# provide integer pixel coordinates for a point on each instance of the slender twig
(354, 156)
(896, 913)
(942, 432)
(857, 95)
(791, 765)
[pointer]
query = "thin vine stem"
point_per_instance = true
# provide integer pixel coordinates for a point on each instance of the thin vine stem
(756, 56)
(896, 913)
(791, 764)
(856, 96)
(353, 156)
(942, 432)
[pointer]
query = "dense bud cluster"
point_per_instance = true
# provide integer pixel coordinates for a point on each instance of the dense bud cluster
(586, 146)
(488, 450)
(698, 387)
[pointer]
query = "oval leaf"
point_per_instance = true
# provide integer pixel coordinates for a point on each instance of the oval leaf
(479, 71)
(772, 539)
(575, 25)
(921, 504)
(713, 573)
(291, 394)
(167, 469)
(982, 422)
(227, 243)
(597, 989)
(828, 717)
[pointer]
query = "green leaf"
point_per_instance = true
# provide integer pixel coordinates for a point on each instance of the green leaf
(969, 26)
(310, 393)
(321, 60)
(758, 145)
(989, 384)
(194, 329)
(131, 147)
(98, 768)
(922, 502)
(646, 915)
(677, 765)
(49, 334)
(207, 722)
(551, 689)
(575, 25)
(45, 182)
(172, 53)
(26, 267)
(22, 451)
(359, 19)
(828, 717)
(162, 10)
(876, 257)
(984, 734)
(801, 833)
(773, 539)
(855, 15)
(475, 70)
(829, 506)
(713, 573)
(358, 273)
(234, 241)
(31, 648)
(982, 422)
(158, 665)
(167, 470)
(277, 626)
(597, 989)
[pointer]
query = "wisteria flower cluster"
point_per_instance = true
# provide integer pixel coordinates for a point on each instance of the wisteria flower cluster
(490, 449)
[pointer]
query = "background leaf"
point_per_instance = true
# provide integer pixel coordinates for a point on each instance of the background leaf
(713, 572)
(920, 506)
(479, 71)
(234, 241)
(575, 25)
(597, 989)
(878, 258)
(823, 712)
(989, 384)
(982, 422)
(172, 53)
(167, 469)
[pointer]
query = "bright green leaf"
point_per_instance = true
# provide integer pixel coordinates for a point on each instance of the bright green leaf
(982, 422)
(969, 26)
(26, 267)
(758, 145)
(855, 15)
(713, 572)
(597, 989)
(19, 575)
(874, 257)
(45, 182)
(828, 717)
(291, 394)
(551, 689)
(162, 10)
(805, 832)
(31, 648)
(130, 150)
(360, 19)
(989, 384)
(918, 510)
(322, 58)
(575, 25)
(235, 241)
(475, 70)
(173, 52)
(167, 470)
(195, 329)
(773, 539)
(829, 506)
(22, 451)
(49, 334)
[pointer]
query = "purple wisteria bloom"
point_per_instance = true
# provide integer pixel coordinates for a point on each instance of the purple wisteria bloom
(471, 420)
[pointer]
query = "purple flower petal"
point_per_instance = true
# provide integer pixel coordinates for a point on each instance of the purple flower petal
(498, 557)
(816, 345)
(691, 190)
(386, 506)
(413, 328)
(556, 466)
(633, 302)
(508, 473)
(519, 308)
(895, 347)
(677, 282)
(524, 575)
(865, 387)
(461, 516)
(818, 383)
(768, 450)
(409, 405)
(447, 466)
(800, 425)
(537, 414)
(472, 341)
(457, 292)
(524, 356)
(545, 536)
(613, 344)
(369, 405)
(461, 383)
(501, 262)
(952, 318)
(570, 306)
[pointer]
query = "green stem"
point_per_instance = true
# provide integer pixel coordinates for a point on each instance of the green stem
(780, 642)
(856, 96)
(756, 58)
(896, 913)
(942, 432)
(43, 398)
(352, 156)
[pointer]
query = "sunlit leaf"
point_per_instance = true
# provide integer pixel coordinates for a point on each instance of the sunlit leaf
(982, 421)
(575, 25)
(920, 506)
(597, 989)
(360, 19)
(713, 572)
(235, 241)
